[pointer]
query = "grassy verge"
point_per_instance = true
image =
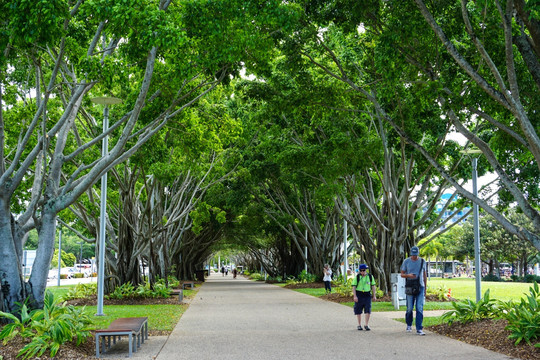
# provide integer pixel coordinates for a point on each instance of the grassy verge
(58, 291)
(379, 305)
(428, 321)
(464, 288)
(160, 317)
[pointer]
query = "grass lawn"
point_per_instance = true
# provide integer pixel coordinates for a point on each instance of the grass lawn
(160, 317)
(464, 288)
(59, 290)
(428, 321)
(382, 305)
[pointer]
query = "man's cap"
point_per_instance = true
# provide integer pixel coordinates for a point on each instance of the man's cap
(363, 267)
(415, 251)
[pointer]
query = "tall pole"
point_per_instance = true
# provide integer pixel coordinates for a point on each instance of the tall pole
(102, 215)
(477, 262)
(345, 246)
(59, 253)
(106, 101)
(80, 259)
(305, 253)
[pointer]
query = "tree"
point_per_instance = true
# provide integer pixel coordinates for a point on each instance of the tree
(423, 90)
(160, 57)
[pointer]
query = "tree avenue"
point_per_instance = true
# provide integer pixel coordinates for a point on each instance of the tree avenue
(343, 124)
(159, 57)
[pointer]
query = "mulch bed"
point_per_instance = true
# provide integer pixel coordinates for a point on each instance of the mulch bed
(489, 334)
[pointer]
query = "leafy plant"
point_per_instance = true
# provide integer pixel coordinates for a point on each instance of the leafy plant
(305, 277)
(49, 327)
(256, 276)
(467, 311)
(80, 291)
(441, 292)
(524, 317)
(291, 281)
(16, 326)
(343, 288)
(123, 291)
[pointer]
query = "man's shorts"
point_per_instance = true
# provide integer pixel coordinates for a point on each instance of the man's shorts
(363, 304)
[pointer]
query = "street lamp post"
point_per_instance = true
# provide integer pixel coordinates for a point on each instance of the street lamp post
(106, 101)
(345, 245)
(80, 258)
(476, 224)
(59, 253)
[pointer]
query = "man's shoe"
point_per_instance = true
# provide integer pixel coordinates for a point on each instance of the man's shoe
(420, 332)
(359, 327)
(366, 328)
(409, 329)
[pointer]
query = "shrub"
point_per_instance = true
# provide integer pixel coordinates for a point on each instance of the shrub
(256, 276)
(173, 281)
(468, 310)
(491, 277)
(530, 278)
(524, 317)
(343, 288)
(305, 277)
(49, 327)
(123, 291)
(78, 275)
(516, 278)
(441, 292)
(291, 281)
(80, 291)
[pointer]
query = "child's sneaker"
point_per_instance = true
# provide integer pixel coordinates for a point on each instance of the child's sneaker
(409, 329)
(420, 332)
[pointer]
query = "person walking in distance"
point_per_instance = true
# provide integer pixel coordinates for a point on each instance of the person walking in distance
(363, 288)
(327, 278)
(414, 272)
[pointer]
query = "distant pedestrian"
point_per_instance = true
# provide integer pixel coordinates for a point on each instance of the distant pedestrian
(414, 270)
(226, 270)
(364, 290)
(222, 270)
(327, 278)
(234, 273)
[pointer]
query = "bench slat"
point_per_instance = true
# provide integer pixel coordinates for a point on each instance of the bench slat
(124, 327)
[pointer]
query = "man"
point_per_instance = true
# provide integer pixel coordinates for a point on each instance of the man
(363, 288)
(412, 268)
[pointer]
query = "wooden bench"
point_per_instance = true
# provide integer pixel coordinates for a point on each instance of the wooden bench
(178, 292)
(191, 284)
(135, 328)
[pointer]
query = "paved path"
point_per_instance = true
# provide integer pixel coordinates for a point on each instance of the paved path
(241, 319)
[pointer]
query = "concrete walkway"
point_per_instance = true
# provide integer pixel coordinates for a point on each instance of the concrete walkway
(238, 319)
(241, 319)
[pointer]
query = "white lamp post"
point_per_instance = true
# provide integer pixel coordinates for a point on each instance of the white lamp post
(476, 224)
(59, 252)
(106, 101)
(345, 245)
